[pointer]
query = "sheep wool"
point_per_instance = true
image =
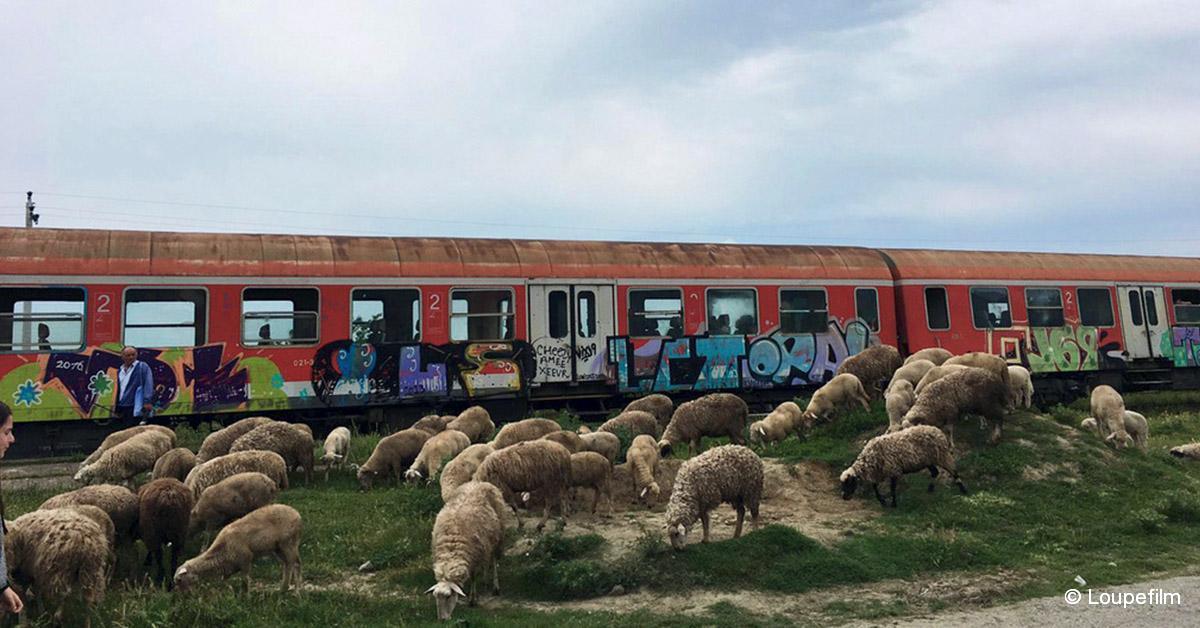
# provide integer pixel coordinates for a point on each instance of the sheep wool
(898, 400)
(468, 535)
(872, 366)
(164, 507)
(539, 467)
(392, 456)
(592, 470)
(475, 422)
(642, 461)
(1190, 451)
(603, 443)
(659, 405)
(785, 419)
(1109, 409)
(937, 355)
(270, 530)
(459, 470)
(843, 390)
(1020, 387)
(891, 456)
(937, 373)
(435, 452)
(969, 391)
(230, 499)
(294, 445)
(1136, 426)
(431, 423)
(218, 443)
(566, 438)
(632, 423)
(176, 463)
(524, 430)
(120, 436)
(911, 372)
(717, 414)
(729, 474)
(118, 502)
(336, 449)
(983, 360)
(126, 460)
(60, 553)
(209, 473)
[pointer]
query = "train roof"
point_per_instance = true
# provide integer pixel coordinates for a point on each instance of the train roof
(918, 265)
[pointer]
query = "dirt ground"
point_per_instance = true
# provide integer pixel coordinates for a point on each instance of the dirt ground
(53, 475)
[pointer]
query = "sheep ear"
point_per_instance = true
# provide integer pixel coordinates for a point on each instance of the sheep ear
(682, 530)
(430, 589)
(181, 571)
(525, 496)
(457, 589)
(644, 491)
(353, 466)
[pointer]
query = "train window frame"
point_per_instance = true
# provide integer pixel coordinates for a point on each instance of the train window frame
(558, 315)
(1007, 305)
(591, 314)
(1029, 308)
(708, 310)
(420, 310)
(203, 330)
(857, 314)
(255, 343)
(629, 312)
(945, 306)
(1192, 305)
(1112, 321)
(58, 317)
(512, 315)
(824, 291)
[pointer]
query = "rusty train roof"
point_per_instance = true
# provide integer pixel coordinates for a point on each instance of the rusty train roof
(919, 265)
(137, 253)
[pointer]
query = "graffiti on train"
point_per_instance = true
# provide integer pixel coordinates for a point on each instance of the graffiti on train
(732, 362)
(1070, 349)
(1184, 346)
(556, 359)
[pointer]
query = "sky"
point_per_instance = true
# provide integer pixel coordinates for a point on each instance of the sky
(1045, 126)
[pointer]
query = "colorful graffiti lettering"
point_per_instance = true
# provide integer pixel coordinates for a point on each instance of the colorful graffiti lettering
(213, 384)
(1063, 349)
(1184, 347)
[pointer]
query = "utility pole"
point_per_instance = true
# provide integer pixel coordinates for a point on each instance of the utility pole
(31, 218)
(26, 314)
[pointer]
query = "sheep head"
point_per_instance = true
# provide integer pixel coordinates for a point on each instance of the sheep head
(664, 448)
(446, 595)
(849, 481)
(412, 476)
(185, 578)
(678, 535)
(365, 479)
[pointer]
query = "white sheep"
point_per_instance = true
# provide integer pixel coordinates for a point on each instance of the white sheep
(1021, 386)
(937, 355)
(784, 420)
(436, 451)
(290, 441)
(1190, 450)
(209, 473)
(898, 400)
(273, 529)
(729, 474)
(606, 444)
(1109, 409)
(176, 463)
(468, 535)
(592, 470)
(60, 553)
(118, 502)
(843, 390)
(968, 391)
(1136, 426)
(218, 443)
(230, 499)
(891, 456)
(571, 440)
(391, 456)
(126, 460)
(523, 430)
(642, 462)
(911, 372)
(716, 414)
(120, 436)
(460, 470)
(937, 373)
(983, 360)
(632, 423)
(336, 449)
(659, 405)
(475, 422)
(538, 467)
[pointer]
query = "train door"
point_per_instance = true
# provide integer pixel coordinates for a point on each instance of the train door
(1143, 319)
(569, 326)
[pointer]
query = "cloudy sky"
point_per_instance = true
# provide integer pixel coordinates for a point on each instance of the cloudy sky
(1049, 125)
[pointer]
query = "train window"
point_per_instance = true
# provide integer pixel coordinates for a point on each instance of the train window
(656, 313)
(166, 317)
(732, 311)
(1135, 306)
(1187, 305)
(1045, 307)
(989, 307)
(481, 314)
(560, 313)
(1095, 307)
(586, 320)
(937, 308)
(866, 307)
(385, 315)
(41, 319)
(803, 312)
(1151, 308)
(280, 316)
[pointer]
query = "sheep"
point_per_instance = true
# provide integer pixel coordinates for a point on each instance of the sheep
(659, 405)
(572, 441)
(468, 535)
(336, 449)
(294, 445)
(273, 529)
(729, 474)
(1190, 450)
(523, 430)
(126, 460)
(118, 502)
(230, 499)
(1135, 425)
(642, 462)
(842, 390)
(164, 506)
(431, 423)
(892, 455)
(872, 366)
(718, 414)
(1109, 409)
(174, 464)
(475, 422)
(209, 473)
(59, 553)
(969, 391)
(632, 423)
(460, 470)
(983, 360)
(603, 443)
(120, 436)
(540, 466)
(937, 373)
(391, 456)
(435, 452)
(1020, 386)
(937, 355)
(218, 443)
(898, 400)
(104, 521)
(911, 372)
(776, 426)
(592, 470)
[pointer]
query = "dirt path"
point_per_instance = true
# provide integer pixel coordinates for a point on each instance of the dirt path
(42, 475)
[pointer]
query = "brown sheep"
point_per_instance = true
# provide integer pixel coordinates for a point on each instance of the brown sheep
(176, 463)
(873, 367)
(164, 506)
(659, 405)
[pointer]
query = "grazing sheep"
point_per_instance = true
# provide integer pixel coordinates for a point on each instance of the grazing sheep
(336, 450)
(431, 423)
(542, 467)
(475, 422)
(231, 498)
(642, 462)
(898, 400)
(209, 473)
(842, 390)
(937, 355)
(218, 443)
(1109, 409)
(592, 470)
(392, 455)
(603, 443)
(294, 445)
(60, 553)
(872, 366)
(937, 373)
(983, 360)
(890, 456)
(468, 535)
(164, 506)
(435, 452)
(460, 470)
(1136, 426)
(104, 521)
(911, 372)
(729, 474)
(717, 414)
(1020, 387)
(176, 463)
(120, 436)
(776, 426)
(566, 438)
(523, 430)
(659, 405)
(273, 529)
(1190, 451)
(126, 460)
(969, 391)
(632, 423)
(118, 502)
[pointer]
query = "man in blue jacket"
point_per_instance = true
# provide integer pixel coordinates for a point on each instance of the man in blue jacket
(135, 386)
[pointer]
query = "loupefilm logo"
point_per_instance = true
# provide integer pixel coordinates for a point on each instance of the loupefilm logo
(1124, 599)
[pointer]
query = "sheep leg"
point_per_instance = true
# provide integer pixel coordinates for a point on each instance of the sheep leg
(741, 516)
(176, 550)
(754, 515)
(545, 515)
(961, 487)
(495, 575)
(595, 498)
(878, 496)
(704, 525)
(996, 430)
(933, 473)
(893, 483)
